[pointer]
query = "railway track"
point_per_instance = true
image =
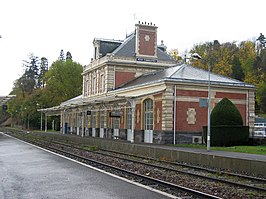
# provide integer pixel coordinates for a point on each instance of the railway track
(259, 184)
(163, 174)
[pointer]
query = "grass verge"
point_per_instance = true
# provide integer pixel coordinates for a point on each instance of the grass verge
(261, 150)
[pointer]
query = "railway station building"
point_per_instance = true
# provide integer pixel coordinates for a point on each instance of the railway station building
(133, 90)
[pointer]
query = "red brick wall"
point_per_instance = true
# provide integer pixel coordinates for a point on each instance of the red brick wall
(138, 124)
(181, 116)
(123, 77)
(201, 113)
(146, 47)
(242, 110)
(230, 95)
(191, 93)
(158, 126)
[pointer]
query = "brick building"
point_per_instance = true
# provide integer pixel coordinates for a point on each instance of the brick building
(133, 90)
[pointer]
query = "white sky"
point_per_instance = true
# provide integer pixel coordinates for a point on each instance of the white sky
(44, 27)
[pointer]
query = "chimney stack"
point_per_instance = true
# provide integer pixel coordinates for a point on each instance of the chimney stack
(146, 40)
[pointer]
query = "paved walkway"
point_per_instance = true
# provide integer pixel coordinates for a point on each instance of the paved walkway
(28, 172)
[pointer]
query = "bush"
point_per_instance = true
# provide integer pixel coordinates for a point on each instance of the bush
(227, 125)
(225, 113)
(227, 135)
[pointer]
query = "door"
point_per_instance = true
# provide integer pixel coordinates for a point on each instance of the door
(102, 124)
(148, 121)
(116, 121)
(129, 125)
(93, 123)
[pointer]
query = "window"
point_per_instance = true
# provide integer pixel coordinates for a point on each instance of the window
(148, 114)
(94, 91)
(102, 119)
(95, 52)
(93, 119)
(102, 83)
(86, 87)
(129, 118)
(116, 122)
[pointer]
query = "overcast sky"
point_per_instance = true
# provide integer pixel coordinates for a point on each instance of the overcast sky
(44, 27)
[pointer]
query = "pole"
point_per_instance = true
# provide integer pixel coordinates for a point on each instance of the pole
(174, 113)
(41, 120)
(28, 121)
(197, 56)
(209, 110)
(45, 122)
(133, 108)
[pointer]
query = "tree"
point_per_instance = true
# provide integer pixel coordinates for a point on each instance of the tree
(260, 66)
(261, 97)
(174, 53)
(64, 81)
(247, 56)
(29, 80)
(262, 41)
(62, 55)
(237, 71)
(68, 55)
(43, 70)
(218, 56)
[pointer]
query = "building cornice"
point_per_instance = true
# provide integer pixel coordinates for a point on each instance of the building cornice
(125, 61)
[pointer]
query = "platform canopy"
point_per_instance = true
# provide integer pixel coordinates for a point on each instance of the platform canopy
(5, 99)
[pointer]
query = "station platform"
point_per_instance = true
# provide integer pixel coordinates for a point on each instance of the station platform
(28, 172)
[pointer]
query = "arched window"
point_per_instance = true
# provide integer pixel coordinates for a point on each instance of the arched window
(148, 114)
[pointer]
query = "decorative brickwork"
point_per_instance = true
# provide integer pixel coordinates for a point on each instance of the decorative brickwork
(147, 43)
(191, 116)
(158, 116)
(146, 40)
(138, 117)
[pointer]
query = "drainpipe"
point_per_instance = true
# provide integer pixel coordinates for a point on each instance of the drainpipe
(63, 122)
(174, 112)
(114, 78)
(133, 108)
(41, 120)
(45, 122)
(82, 124)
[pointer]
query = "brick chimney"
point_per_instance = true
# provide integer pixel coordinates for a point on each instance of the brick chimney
(146, 40)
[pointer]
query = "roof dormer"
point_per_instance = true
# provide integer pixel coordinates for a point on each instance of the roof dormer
(104, 46)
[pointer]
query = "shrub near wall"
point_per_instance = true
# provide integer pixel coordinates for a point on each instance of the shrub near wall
(227, 135)
(227, 125)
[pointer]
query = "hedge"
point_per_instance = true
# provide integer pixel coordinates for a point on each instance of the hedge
(229, 135)
(225, 113)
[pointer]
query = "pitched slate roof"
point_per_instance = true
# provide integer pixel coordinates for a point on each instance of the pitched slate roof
(108, 45)
(184, 73)
(127, 49)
